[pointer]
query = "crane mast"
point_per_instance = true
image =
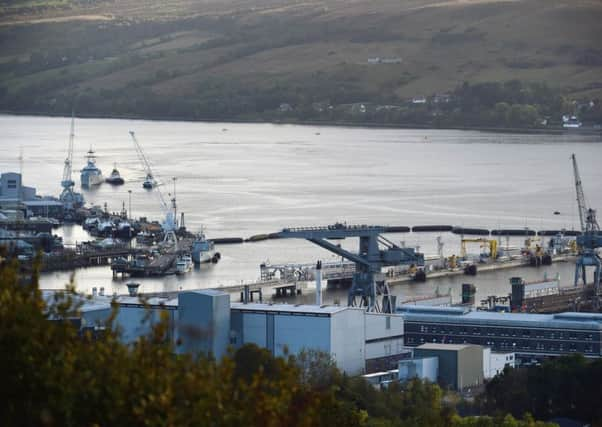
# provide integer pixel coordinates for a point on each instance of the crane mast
(150, 177)
(588, 242)
(580, 195)
(70, 199)
(169, 224)
(67, 181)
(587, 216)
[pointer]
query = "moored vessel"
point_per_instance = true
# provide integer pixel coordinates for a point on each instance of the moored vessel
(183, 264)
(149, 182)
(90, 174)
(115, 177)
(203, 250)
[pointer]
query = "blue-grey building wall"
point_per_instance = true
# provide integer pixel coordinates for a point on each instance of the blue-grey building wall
(204, 322)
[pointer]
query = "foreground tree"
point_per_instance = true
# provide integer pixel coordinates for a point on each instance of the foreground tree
(569, 386)
(55, 376)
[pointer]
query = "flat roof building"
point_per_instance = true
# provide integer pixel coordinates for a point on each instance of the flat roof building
(460, 365)
(286, 328)
(206, 321)
(524, 334)
(12, 189)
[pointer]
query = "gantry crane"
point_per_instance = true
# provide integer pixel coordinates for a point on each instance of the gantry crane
(588, 241)
(70, 199)
(149, 181)
(368, 280)
(484, 243)
(170, 224)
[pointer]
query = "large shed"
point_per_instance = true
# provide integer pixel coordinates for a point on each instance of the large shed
(460, 365)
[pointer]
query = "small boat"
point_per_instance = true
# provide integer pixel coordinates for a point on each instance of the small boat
(90, 223)
(105, 228)
(90, 174)
(149, 182)
(556, 212)
(115, 178)
(183, 264)
(124, 230)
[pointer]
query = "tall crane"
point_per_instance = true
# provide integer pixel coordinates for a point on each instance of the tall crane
(70, 199)
(170, 224)
(149, 181)
(588, 241)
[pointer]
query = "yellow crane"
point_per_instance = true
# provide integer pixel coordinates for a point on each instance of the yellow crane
(484, 243)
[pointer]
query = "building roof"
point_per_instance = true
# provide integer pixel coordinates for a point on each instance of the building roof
(87, 305)
(444, 347)
(292, 308)
(153, 302)
(42, 202)
(210, 292)
(568, 320)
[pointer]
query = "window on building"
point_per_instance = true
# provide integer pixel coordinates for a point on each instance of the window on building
(387, 349)
(388, 322)
(11, 184)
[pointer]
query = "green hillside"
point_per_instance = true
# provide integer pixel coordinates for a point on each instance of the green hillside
(240, 59)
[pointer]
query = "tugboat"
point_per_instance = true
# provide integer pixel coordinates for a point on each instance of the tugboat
(203, 250)
(90, 174)
(115, 178)
(149, 182)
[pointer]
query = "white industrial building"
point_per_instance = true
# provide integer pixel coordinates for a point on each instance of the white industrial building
(495, 362)
(425, 368)
(14, 196)
(206, 321)
(136, 318)
(352, 336)
(12, 189)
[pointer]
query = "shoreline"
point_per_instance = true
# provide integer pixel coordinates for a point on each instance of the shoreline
(525, 131)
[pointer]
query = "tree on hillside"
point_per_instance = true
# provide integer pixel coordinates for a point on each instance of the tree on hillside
(565, 387)
(55, 375)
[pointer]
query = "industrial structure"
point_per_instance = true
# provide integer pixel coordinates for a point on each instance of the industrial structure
(528, 335)
(206, 321)
(368, 280)
(149, 181)
(70, 199)
(460, 365)
(589, 240)
(23, 200)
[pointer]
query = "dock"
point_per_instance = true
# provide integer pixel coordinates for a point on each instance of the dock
(157, 265)
(79, 258)
(480, 269)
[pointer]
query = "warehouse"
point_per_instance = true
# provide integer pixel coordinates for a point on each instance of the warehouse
(527, 335)
(205, 321)
(354, 338)
(460, 365)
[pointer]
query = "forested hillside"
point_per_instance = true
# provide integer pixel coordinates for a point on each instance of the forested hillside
(320, 60)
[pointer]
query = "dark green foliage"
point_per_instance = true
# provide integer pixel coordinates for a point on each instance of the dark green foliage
(52, 375)
(565, 387)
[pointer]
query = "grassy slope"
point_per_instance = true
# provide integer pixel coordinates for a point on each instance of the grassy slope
(305, 44)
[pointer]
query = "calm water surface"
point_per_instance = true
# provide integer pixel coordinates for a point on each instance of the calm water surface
(237, 180)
